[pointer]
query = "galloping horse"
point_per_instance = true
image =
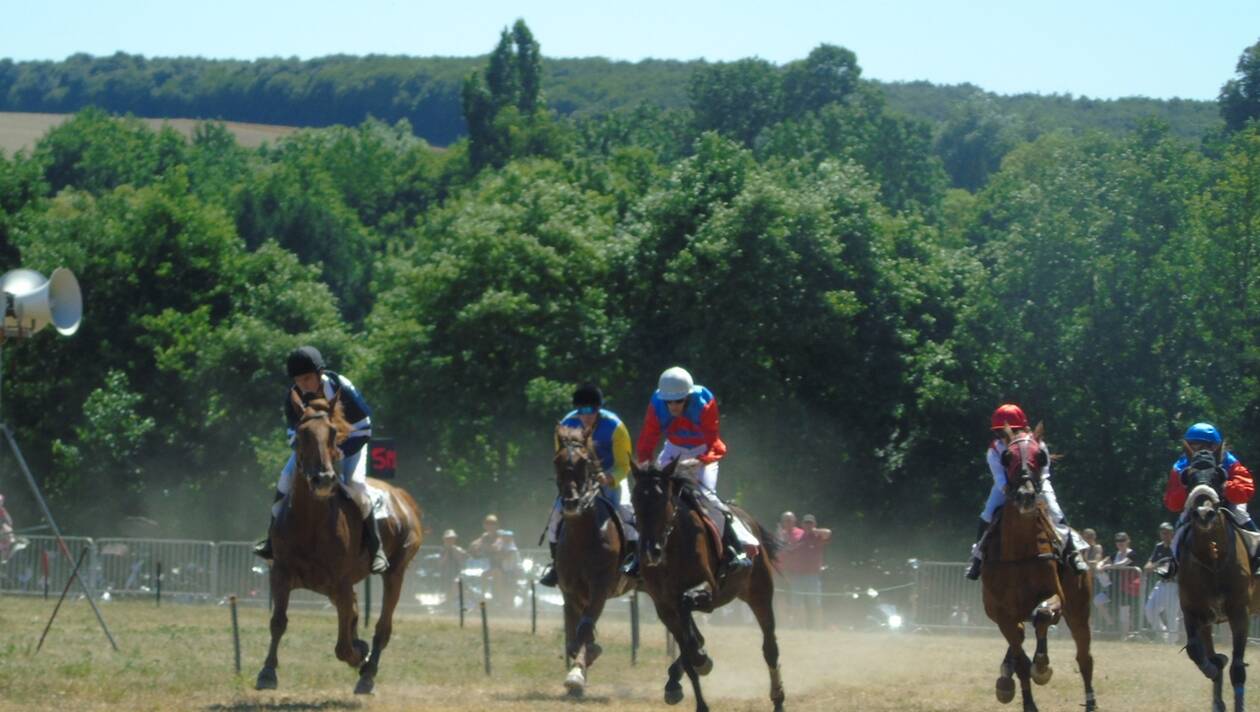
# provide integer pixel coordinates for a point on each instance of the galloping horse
(588, 554)
(680, 554)
(1214, 579)
(317, 541)
(1022, 577)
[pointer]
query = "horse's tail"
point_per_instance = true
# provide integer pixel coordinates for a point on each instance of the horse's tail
(769, 542)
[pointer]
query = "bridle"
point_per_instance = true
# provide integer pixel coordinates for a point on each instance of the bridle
(573, 450)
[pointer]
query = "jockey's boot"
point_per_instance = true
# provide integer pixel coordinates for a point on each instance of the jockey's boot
(263, 548)
(380, 562)
(1072, 555)
(1168, 569)
(549, 576)
(973, 572)
(734, 558)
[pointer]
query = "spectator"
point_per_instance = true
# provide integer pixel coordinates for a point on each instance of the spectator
(483, 546)
(788, 533)
(1094, 553)
(505, 565)
(1124, 556)
(1127, 581)
(1163, 597)
(451, 563)
(806, 578)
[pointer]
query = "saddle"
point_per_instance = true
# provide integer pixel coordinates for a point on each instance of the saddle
(689, 497)
(991, 542)
(605, 510)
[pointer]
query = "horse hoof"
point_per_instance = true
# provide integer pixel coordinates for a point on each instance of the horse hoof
(266, 679)
(1042, 675)
(575, 682)
(593, 651)
(1005, 689)
(365, 686)
(705, 667)
(673, 695)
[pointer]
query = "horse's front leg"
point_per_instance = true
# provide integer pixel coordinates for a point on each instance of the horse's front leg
(1041, 671)
(350, 649)
(393, 580)
(575, 680)
(597, 598)
(279, 622)
(1239, 626)
(1199, 647)
(1014, 634)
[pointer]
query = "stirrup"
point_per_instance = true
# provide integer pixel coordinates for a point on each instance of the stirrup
(263, 549)
(973, 572)
(550, 577)
(1167, 571)
(630, 567)
(735, 561)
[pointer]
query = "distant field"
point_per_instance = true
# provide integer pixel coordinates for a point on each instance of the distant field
(180, 657)
(21, 131)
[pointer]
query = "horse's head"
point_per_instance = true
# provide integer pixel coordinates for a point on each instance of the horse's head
(577, 467)
(319, 431)
(1024, 460)
(653, 499)
(1204, 479)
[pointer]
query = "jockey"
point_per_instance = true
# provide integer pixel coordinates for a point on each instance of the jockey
(687, 416)
(1012, 416)
(612, 445)
(1238, 489)
(305, 367)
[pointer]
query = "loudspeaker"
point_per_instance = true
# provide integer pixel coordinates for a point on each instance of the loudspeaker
(32, 302)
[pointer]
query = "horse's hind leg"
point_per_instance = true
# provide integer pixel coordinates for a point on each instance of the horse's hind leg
(1076, 608)
(760, 598)
(384, 630)
(1014, 634)
(279, 622)
(1041, 671)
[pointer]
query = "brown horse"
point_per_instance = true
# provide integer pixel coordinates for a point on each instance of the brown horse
(680, 556)
(318, 544)
(588, 554)
(1022, 578)
(1214, 580)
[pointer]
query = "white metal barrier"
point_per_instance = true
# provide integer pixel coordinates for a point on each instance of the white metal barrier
(41, 564)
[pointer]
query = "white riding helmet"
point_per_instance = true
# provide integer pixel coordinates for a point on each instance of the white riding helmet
(675, 384)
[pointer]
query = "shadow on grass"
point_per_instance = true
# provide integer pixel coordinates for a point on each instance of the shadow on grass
(539, 696)
(285, 705)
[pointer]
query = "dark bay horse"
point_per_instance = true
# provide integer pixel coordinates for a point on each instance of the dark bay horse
(588, 555)
(1022, 578)
(680, 556)
(1214, 580)
(318, 544)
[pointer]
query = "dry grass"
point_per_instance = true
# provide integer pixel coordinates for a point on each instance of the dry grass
(22, 130)
(180, 657)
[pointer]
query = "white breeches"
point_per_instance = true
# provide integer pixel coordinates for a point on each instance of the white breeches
(1163, 599)
(353, 480)
(707, 476)
(624, 508)
(997, 498)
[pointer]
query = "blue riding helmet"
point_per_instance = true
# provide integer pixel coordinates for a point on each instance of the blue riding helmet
(1203, 432)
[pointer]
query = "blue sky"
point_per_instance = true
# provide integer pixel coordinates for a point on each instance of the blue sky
(1103, 48)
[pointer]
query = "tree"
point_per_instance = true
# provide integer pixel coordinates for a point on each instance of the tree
(736, 99)
(1240, 97)
(828, 75)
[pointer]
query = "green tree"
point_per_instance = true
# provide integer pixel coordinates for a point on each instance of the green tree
(736, 99)
(828, 75)
(1239, 99)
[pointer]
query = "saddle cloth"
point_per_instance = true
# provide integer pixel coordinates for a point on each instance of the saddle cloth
(1237, 519)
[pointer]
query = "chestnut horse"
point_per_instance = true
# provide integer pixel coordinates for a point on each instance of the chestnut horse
(318, 543)
(1022, 577)
(1214, 580)
(680, 555)
(588, 555)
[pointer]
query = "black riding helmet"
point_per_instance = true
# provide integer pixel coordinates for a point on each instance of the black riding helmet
(304, 359)
(588, 395)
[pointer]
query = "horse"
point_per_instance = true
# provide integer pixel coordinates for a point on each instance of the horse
(1022, 578)
(680, 554)
(1214, 579)
(318, 544)
(588, 555)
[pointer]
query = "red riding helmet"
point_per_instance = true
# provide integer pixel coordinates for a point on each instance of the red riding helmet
(1010, 415)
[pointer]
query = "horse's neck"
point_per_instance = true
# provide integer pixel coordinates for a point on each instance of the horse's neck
(1024, 537)
(306, 511)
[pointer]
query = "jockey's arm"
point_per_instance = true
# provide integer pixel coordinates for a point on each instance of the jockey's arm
(712, 435)
(1239, 486)
(1174, 492)
(649, 436)
(621, 454)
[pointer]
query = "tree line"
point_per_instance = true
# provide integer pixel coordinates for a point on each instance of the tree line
(801, 251)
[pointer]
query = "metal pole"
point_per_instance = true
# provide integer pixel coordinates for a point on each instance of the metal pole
(64, 591)
(634, 627)
(43, 561)
(30, 479)
(460, 581)
(159, 584)
(533, 608)
(236, 633)
(485, 636)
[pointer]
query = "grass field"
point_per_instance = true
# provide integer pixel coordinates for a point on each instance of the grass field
(180, 657)
(21, 131)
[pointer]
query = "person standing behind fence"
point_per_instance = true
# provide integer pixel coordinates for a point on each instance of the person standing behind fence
(1163, 597)
(1126, 583)
(807, 583)
(451, 564)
